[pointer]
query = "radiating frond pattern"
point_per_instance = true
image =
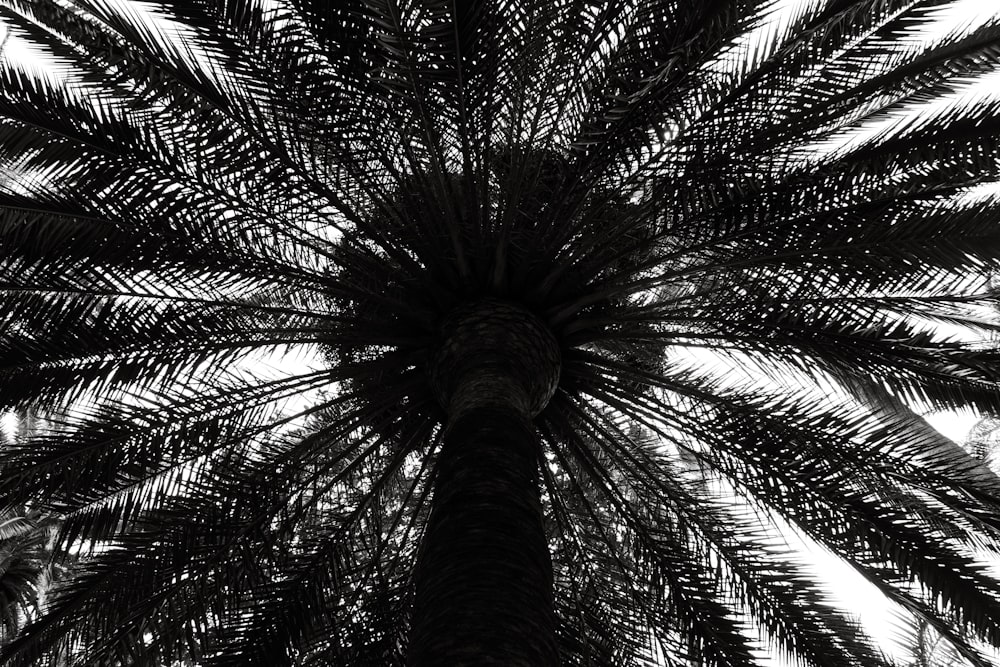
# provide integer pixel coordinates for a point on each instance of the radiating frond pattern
(230, 231)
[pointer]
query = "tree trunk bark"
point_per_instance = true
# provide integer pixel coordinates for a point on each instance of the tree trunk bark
(484, 574)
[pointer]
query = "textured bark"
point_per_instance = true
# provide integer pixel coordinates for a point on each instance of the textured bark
(484, 577)
(496, 352)
(484, 574)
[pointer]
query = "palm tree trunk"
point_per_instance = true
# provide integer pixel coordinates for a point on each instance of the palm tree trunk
(484, 573)
(484, 577)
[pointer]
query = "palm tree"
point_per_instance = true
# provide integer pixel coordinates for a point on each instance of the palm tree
(27, 567)
(925, 647)
(382, 332)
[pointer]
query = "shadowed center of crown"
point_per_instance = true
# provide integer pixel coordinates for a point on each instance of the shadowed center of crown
(494, 351)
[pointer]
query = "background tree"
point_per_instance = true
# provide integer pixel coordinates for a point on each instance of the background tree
(927, 647)
(923, 647)
(26, 567)
(368, 326)
(29, 564)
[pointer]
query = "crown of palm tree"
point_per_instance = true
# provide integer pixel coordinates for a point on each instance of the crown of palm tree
(247, 243)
